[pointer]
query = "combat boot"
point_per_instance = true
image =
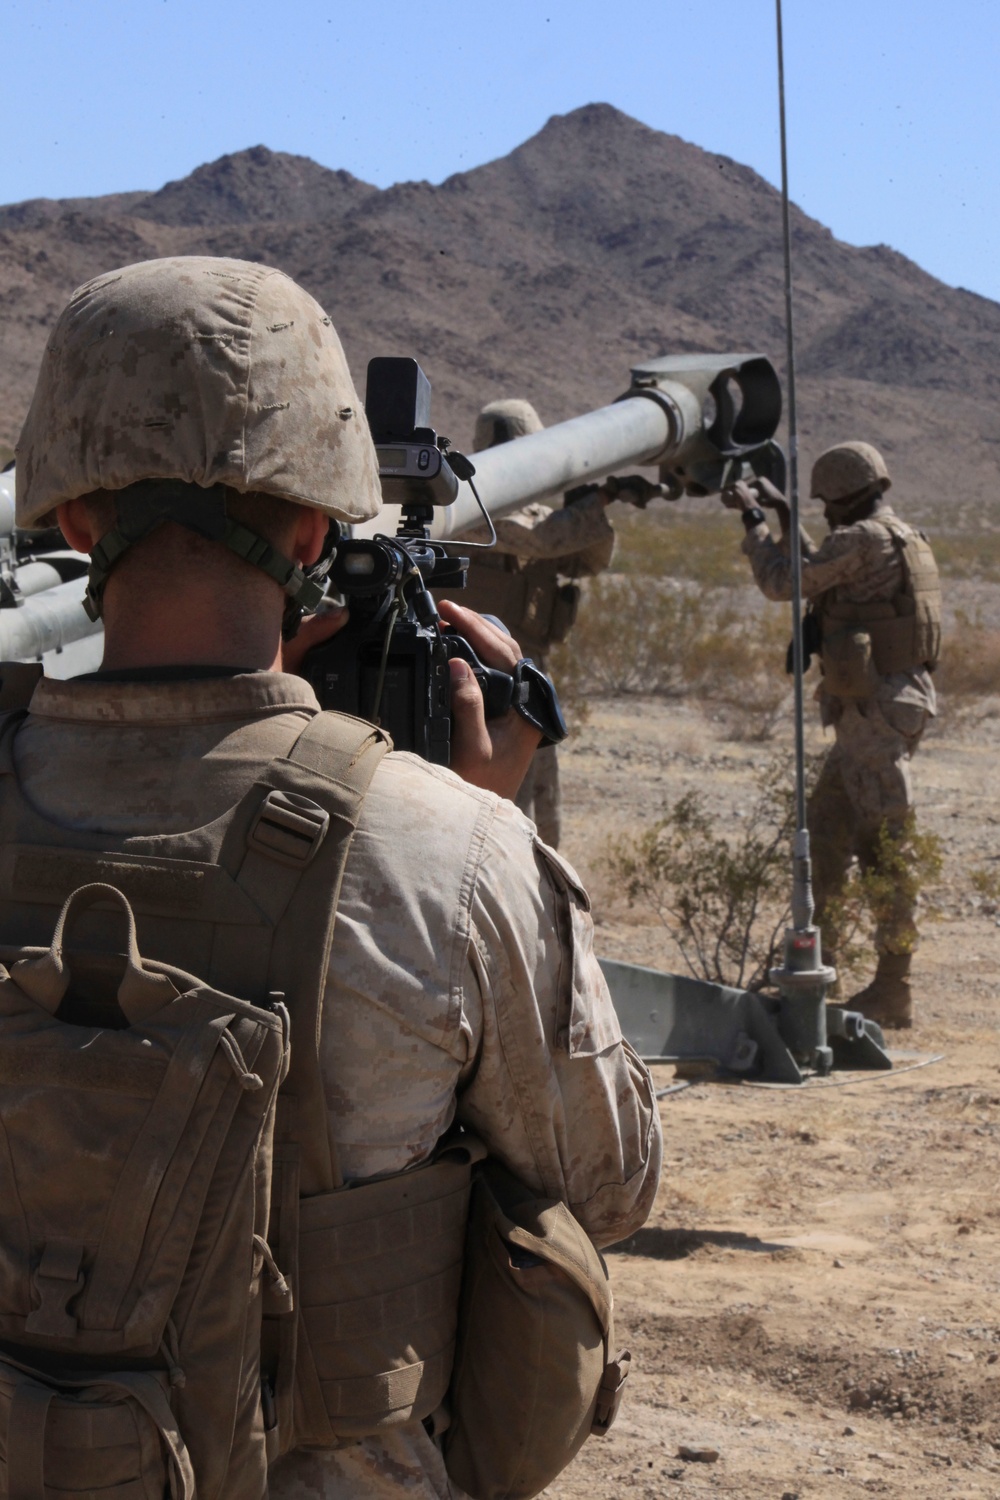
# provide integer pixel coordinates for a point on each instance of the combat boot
(888, 999)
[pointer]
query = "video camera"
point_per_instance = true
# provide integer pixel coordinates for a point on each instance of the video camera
(389, 663)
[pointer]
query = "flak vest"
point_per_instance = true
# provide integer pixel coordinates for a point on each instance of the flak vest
(864, 641)
(362, 1335)
(525, 594)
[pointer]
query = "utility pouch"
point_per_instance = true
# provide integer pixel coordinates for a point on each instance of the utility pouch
(104, 1437)
(565, 607)
(848, 664)
(379, 1270)
(535, 1372)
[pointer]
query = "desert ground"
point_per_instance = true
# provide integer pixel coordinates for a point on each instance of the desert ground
(814, 1298)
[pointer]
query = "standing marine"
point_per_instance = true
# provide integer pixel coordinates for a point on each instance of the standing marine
(874, 614)
(529, 579)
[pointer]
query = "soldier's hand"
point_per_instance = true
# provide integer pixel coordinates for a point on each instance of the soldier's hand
(312, 632)
(738, 496)
(496, 754)
(769, 497)
(634, 489)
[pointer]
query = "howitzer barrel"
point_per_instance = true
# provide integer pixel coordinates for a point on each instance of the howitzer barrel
(630, 432)
(692, 414)
(48, 621)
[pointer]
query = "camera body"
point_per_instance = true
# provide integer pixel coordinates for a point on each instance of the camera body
(389, 663)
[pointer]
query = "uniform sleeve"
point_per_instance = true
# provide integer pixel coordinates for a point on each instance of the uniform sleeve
(579, 539)
(837, 560)
(554, 1089)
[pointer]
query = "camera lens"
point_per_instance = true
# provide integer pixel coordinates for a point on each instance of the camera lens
(359, 564)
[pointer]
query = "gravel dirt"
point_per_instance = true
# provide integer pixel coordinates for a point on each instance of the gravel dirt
(814, 1297)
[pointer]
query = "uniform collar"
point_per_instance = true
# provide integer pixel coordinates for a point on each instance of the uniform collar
(244, 696)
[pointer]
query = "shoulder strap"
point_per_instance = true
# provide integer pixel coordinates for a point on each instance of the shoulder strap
(331, 764)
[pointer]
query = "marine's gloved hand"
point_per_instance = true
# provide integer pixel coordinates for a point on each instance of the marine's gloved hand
(312, 632)
(496, 754)
(634, 489)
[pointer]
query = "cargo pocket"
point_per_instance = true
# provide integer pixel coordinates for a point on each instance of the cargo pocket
(110, 1436)
(848, 667)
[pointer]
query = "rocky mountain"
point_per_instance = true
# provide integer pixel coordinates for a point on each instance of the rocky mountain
(546, 273)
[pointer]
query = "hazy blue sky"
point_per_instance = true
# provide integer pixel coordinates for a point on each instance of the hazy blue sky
(893, 106)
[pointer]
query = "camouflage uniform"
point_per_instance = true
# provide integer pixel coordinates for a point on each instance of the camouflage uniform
(519, 582)
(865, 779)
(462, 982)
(475, 996)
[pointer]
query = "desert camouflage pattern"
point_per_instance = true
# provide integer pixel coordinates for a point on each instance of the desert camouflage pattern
(862, 562)
(865, 779)
(501, 421)
(540, 795)
(474, 995)
(577, 541)
(203, 369)
(846, 469)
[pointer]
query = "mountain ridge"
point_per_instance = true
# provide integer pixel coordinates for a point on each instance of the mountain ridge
(595, 244)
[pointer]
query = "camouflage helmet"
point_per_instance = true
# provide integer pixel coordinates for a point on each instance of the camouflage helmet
(199, 369)
(845, 470)
(503, 420)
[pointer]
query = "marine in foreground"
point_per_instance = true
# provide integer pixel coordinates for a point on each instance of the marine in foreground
(195, 428)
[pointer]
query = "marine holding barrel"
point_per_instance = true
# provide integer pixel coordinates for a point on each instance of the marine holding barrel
(874, 617)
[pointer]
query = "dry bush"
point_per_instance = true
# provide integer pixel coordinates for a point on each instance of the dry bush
(641, 635)
(907, 863)
(721, 892)
(968, 554)
(721, 887)
(702, 546)
(970, 660)
(737, 666)
(632, 636)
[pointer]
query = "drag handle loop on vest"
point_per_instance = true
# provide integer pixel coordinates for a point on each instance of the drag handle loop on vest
(47, 979)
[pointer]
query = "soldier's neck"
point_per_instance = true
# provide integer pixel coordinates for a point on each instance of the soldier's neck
(192, 627)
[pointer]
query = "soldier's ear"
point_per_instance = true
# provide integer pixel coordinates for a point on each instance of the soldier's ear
(310, 533)
(76, 525)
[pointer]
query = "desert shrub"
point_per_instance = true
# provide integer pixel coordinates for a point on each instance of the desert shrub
(736, 665)
(906, 863)
(633, 635)
(642, 635)
(974, 554)
(722, 887)
(970, 659)
(702, 546)
(720, 891)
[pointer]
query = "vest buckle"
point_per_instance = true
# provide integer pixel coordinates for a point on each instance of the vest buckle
(288, 828)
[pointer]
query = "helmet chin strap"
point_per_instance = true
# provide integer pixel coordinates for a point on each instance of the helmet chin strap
(142, 507)
(854, 507)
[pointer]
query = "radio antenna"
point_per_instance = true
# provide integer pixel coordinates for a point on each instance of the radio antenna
(793, 464)
(803, 979)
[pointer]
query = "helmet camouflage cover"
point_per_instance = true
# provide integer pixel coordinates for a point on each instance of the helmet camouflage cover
(501, 421)
(846, 470)
(200, 369)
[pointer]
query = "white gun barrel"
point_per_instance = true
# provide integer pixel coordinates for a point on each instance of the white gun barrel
(684, 412)
(48, 621)
(545, 463)
(689, 413)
